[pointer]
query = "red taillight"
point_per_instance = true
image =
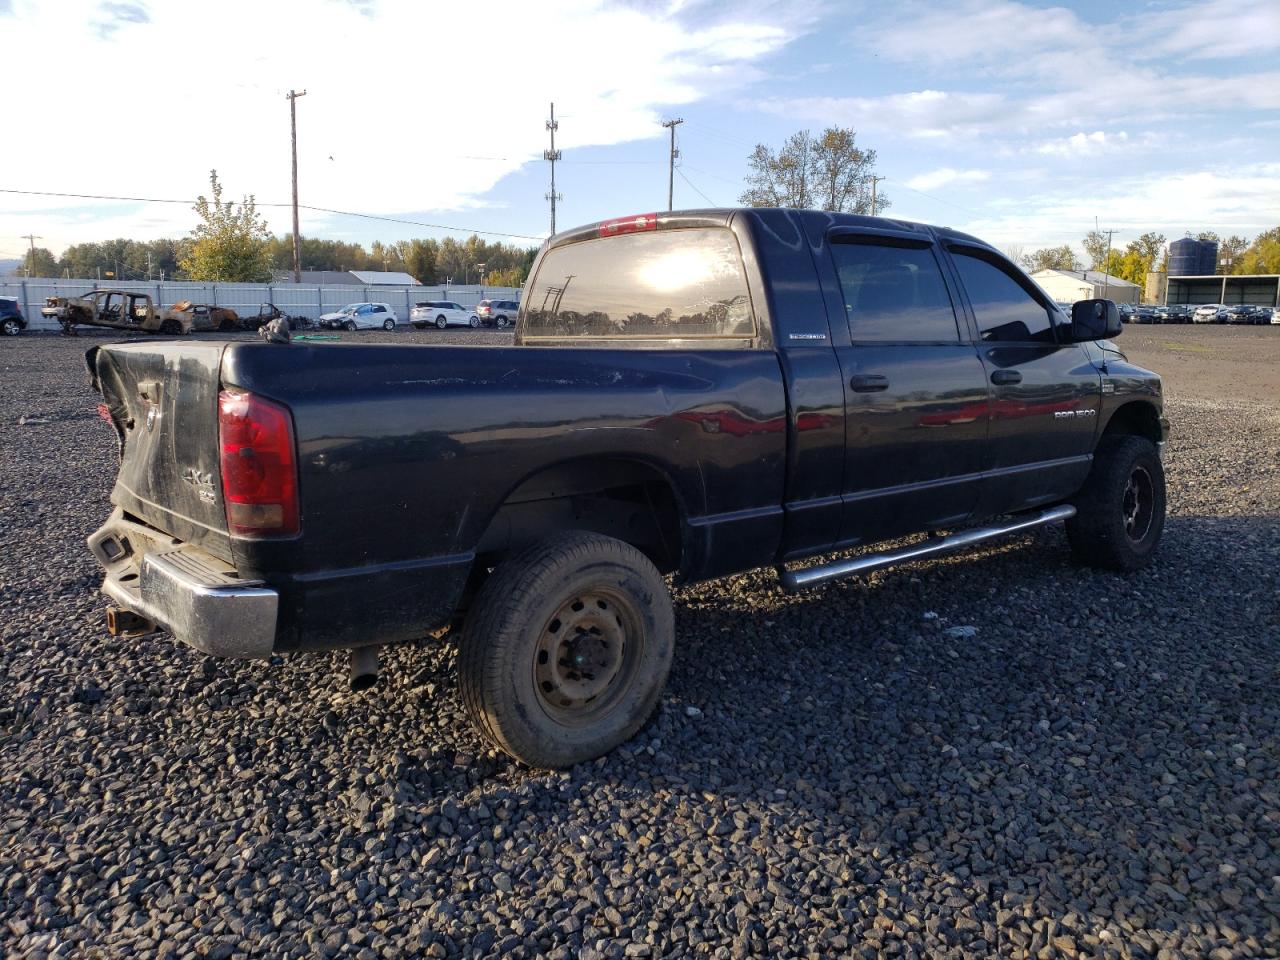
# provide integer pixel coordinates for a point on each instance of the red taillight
(636, 224)
(259, 473)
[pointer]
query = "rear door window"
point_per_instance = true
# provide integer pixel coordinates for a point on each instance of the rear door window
(893, 293)
(666, 284)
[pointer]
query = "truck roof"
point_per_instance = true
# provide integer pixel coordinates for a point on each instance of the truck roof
(722, 216)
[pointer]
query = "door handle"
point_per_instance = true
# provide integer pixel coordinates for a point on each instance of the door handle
(1006, 376)
(869, 383)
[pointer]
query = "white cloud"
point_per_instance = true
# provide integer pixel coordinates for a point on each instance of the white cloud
(399, 95)
(1221, 28)
(1229, 200)
(1083, 144)
(946, 177)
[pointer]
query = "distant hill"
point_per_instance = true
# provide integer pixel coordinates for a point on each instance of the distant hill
(8, 266)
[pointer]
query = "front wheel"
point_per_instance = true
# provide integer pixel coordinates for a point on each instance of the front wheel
(474, 322)
(349, 325)
(171, 328)
(566, 649)
(1121, 507)
(388, 324)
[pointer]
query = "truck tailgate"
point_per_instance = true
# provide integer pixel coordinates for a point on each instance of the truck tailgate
(163, 400)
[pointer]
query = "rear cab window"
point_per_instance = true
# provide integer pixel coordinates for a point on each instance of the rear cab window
(660, 285)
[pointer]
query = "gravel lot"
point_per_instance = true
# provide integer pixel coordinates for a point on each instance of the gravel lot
(998, 754)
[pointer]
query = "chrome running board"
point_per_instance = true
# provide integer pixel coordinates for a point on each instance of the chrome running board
(794, 580)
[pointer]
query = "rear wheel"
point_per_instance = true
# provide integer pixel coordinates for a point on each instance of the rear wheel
(388, 324)
(566, 649)
(171, 328)
(11, 327)
(501, 323)
(441, 322)
(1121, 508)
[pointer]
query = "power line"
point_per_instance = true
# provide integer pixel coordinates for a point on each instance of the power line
(695, 189)
(301, 206)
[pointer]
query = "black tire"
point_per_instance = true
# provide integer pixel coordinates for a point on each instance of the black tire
(571, 600)
(388, 325)
(349, 325)
(441, 322)
(501, 323)
(171, 328)
(419, 326)
(11, 327)
(474, 322)
(1121, 507)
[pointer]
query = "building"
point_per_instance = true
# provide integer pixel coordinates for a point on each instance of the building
(355, 278)
(1068, 286)
(1262, 289)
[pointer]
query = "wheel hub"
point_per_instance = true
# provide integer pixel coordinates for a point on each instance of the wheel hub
(1137, 504)
(579, 656)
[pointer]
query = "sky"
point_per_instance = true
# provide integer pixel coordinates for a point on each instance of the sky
(1022, 123)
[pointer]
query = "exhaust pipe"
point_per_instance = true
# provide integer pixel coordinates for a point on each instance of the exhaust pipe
(364, 668)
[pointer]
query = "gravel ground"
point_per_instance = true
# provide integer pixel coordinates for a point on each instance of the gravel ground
(999, 754)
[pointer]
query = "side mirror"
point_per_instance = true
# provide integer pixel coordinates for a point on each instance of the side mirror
(1094, 320)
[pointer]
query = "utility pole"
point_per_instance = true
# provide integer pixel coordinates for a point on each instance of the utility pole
(552, 156)
(293, 96)
(874, 180)
(1106, 265)
(671, 166)
(32, 262)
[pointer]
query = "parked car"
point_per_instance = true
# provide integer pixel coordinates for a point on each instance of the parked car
(268, 312)
(1174, 313)
(1275, 314)
(360, 316)
(441, 314)
(497, 313)
(12, 322)
(1210, 313)
(730, 415)
(1144, 314)
(203, 317)
(116, 309)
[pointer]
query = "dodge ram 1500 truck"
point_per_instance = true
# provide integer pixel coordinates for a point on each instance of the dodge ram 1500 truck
(693, 393)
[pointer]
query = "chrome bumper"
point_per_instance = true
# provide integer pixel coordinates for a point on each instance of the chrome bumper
(194, 596)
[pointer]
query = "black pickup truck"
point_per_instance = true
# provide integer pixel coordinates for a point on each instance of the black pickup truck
(694, 393)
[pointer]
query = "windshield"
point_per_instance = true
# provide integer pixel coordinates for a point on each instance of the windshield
(350, 308)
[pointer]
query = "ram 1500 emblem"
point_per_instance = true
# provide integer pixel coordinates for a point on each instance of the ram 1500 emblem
(1067, 414)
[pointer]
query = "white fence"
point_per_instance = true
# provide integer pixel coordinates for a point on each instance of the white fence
(301, 299)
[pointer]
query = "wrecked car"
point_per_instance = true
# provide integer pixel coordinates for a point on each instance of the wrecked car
(117, 309)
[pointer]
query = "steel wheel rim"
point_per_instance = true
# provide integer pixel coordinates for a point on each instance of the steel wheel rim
(10, 328)
(586, 654)
(1137, 504)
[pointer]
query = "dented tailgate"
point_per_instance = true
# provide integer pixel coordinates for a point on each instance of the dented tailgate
(163, 401)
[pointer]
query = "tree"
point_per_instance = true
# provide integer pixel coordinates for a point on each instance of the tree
(1229, 252)
(1052, 258)
(1149, 246)
(1095, 247)
(39, 262)
(829, 172)
(229, 245)
(1263, 255)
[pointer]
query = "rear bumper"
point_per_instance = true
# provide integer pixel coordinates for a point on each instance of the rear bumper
(191, 594)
